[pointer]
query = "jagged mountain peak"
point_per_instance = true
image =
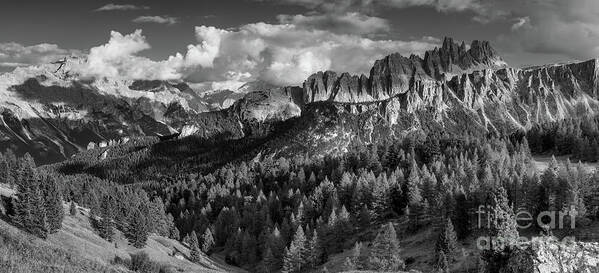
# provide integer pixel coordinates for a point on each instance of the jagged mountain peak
(396, 74)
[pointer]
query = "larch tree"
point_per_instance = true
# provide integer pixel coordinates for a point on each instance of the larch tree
(194, 253)
(294, 260)
(137, 231)
(207, 241)
(106, 223)
(503, 231)
(53, 204)
(447, 241)
(384, 253)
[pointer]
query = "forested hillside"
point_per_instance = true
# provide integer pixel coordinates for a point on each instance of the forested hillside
(293, 213)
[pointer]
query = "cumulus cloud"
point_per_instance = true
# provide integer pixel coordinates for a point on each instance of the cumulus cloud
(285, 54)
(118, 59)
(14, 55)
(111, 7)
(167, 20)
(351, 22)
(281, 54)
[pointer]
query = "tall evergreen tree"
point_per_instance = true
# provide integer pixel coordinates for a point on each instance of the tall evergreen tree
(447, 243)
(194, 253)
(502, 232)
(29, 207)
(53, 204)
(294, 260)
(137, 231)
(106, 223)
(207, 241)
(315, 250)
(384, 253)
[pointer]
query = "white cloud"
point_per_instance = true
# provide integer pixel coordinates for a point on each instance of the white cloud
(351, 22)
(286, 54)
(118, 59)
(15, 55)
(520, 22)
(111, 7)
(281, 54)
(205, 53)
(167, 20)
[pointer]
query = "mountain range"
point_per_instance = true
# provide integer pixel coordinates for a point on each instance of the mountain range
(453, 89)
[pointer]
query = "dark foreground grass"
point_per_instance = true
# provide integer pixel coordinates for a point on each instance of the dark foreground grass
(23, 253)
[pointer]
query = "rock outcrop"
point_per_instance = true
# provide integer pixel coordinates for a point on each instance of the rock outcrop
(396, 74)
(546, 255)
(475, 80)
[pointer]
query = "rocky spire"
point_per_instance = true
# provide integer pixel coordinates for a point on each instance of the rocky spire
(395, 74)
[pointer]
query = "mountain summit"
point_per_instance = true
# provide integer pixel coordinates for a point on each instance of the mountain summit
(395, 73)
(53, 114)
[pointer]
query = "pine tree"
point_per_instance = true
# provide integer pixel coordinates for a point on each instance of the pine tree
(502, 232)
(413, 192)
(29, 207)
(447, 242)
(315, 250)
(294, 260)
(158, 220)
(39, 216)
(384, 253)
(73, 209)
(194, 253)
(137, 232)
(356, 257)
(207, 241)
(53, 205)
(106, 224)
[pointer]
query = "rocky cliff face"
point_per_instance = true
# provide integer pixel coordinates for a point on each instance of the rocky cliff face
(475, 81)
(396, 74)
(552, 256)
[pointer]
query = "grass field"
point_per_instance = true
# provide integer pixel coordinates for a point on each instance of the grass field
(77, 248)
(541, 162)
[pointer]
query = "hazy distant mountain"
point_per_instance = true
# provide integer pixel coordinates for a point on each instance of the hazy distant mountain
(53, 113)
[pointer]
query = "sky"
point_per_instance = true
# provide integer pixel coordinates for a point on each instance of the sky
(224, 43)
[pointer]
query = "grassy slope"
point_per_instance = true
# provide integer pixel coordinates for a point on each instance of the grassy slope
(77, 248)
(418, 247)
(541, 162)
(21, 252)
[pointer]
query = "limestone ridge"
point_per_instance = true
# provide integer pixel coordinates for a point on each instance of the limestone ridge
(475, 80)
(395, 73)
